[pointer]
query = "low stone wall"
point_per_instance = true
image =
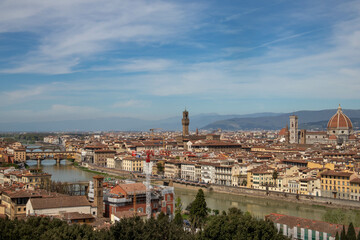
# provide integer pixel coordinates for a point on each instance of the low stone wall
(291, 197)
(187, 186)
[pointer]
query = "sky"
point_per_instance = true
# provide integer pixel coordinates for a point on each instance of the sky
(81, 59)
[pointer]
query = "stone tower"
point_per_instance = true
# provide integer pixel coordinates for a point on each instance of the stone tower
(294, 129)
(185, 123)
(98, 195)
(303, 136)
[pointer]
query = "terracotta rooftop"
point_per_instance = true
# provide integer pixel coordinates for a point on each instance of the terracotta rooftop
(76, 216)
(133, 187)
(338, 174)
(339, 120)
(129, 214)
(59, 202)
(306, 223)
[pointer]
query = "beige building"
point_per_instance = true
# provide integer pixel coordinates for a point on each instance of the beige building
(15, 202)
(133, 164)
(172, 169)
(55, 206)
(100, 156)
(110, 163)
(36, 180)
(20, 154)
(309, 186)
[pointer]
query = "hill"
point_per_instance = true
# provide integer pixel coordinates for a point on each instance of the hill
(307, 120)
(120, 124)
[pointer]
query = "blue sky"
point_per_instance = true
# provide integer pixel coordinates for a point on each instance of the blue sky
(78, 59)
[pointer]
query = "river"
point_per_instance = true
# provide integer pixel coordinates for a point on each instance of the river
(258, 207)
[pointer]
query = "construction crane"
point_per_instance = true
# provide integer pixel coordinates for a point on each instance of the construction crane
(152, 130)
(147, 183)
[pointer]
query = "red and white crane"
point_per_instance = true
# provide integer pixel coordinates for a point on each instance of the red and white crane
(148, 169)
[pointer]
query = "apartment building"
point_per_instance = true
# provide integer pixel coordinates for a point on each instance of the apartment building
(336, 184)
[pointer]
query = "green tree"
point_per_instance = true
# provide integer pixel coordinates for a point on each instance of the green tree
(178, 220)
(198, 210)
(343, 234)
(238, 225)
(178, 205)
(337, 236)
(275, 175)
(244, 182)
(160, 168)
(351, 235)
(216, 212)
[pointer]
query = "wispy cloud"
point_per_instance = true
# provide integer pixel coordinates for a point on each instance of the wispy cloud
(131, 103)
(137, 65)
(55, 112)
(70, 31)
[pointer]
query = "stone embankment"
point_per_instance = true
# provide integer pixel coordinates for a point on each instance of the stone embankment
(256, 193)
(290, 197)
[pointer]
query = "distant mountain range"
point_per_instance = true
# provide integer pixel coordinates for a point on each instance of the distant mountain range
(266, 121)
(120, 124)
(316, 120)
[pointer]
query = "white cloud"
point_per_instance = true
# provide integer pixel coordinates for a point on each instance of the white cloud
(70, 31)
(138, 65)
(131, 103)
(56, 112)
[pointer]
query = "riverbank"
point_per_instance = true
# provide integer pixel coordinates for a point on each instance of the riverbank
(98, 170)
(240, 191)
(276, 196)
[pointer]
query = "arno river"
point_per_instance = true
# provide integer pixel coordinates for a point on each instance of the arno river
(66, 172)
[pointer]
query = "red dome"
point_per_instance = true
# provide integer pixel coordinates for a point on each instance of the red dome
(339, 121)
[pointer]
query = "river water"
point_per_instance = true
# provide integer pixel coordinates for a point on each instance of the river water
(258, 207)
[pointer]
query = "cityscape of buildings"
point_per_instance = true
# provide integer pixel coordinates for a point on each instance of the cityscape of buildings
(298, 164)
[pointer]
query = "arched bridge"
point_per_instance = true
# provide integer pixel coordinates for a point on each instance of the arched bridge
(44, 148)
(57, 155)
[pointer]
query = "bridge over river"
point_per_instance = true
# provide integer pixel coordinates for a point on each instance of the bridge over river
(57, 155)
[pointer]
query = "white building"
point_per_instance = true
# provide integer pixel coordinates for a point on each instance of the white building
(188, 171)
(208, 173)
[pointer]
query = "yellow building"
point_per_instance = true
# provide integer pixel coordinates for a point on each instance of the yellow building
(15, 202)
(329, 166)
(37, 180)
(355, 189)
(20, 155)
(336, 184)
(133, 164)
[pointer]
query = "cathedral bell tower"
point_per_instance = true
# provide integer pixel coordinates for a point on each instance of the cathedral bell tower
(185, 123)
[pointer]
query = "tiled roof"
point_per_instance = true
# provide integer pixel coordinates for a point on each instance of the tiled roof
(76, 216)
(133, 187)
(59, 202)
(338, 174)
(128, 214)
(305, 223)
(339, 120)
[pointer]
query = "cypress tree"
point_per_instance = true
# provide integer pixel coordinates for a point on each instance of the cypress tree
(337, 236)
(178, 220)
(343, 234)
(198, 211)
(351, 235)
